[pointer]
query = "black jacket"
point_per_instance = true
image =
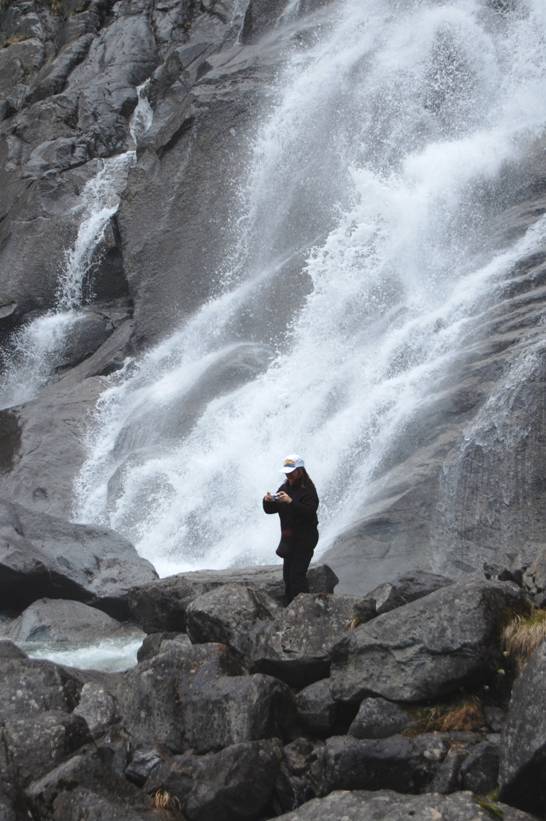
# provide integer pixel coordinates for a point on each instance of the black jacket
(299, 519)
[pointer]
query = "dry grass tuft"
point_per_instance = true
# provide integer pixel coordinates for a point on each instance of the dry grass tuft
(523, 635)
(163, 800)
(465, 716)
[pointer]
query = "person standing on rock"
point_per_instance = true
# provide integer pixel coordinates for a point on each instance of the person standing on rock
(296, 502)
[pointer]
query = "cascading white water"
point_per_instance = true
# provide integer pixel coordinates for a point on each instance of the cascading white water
(378, 164)
(36, 350)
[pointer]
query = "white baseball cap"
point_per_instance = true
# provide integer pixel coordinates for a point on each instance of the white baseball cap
(292, 462)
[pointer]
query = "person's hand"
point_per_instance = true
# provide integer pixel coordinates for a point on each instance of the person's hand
(283, 497)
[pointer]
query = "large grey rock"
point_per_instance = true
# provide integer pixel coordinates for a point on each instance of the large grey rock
(379, 718)
(317, 708)
(522, 774)
(61, 621)
(196, 697)
(97, 707)
(236, 783)
(428, 648)
(406, 588)
(297, 646)
(85, 785)
(161, 688)
(161, 606)
(398, 763)
(54, 735)
(41, 555)
(386, 805)
(231, 614)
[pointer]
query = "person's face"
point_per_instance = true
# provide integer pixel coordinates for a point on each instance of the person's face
(293, 477)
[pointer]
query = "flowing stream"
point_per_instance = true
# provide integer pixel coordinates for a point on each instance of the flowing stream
(362, 264)
(36, 350)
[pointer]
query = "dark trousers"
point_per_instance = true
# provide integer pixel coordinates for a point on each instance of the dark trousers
(294, 573)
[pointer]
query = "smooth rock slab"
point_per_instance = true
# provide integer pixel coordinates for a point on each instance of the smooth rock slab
(61, 621)
(236, 783)
(161, 605)
(428, 648)
(43, 556)
(522, 774)
(297, 646)
(386, 805)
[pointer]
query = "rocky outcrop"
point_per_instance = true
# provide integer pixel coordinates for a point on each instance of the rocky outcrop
(428, 648)
(297, 646)
(193, 729)
(386, 805)
(523, 757)
(162, 605)
(42, 556)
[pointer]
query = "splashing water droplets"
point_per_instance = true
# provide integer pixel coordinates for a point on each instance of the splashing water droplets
(366, 208)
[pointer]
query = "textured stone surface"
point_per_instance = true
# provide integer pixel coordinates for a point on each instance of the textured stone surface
(236, 783)
(428, 648)
(523, 748)
(379, 718)
(297, 646)
(42, 555)
(162, 605)
(407, 588)
(386, 805)
(231, 614)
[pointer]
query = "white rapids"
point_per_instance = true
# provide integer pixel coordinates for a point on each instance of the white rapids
(362, 264)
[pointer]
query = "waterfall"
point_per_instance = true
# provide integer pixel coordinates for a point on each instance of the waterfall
(362, 268)
(36, 350)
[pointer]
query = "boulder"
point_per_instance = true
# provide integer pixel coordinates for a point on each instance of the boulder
(379, 718)
(231, 614)
(300, 774)
(428, 648)
(534, 579)
(55, 734)
(317, 708)
(160, 688)
(386, 805)
(196, 697)
(235, 783)
(405, 589)
(398, 763)
(297, 646)
(86, 786)
(30, 687)
(156, 643)
(162, 605)
(234, 709)
(97, 707)
(479, 771)
(60, 621)
(42, 556)
(522, 775)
